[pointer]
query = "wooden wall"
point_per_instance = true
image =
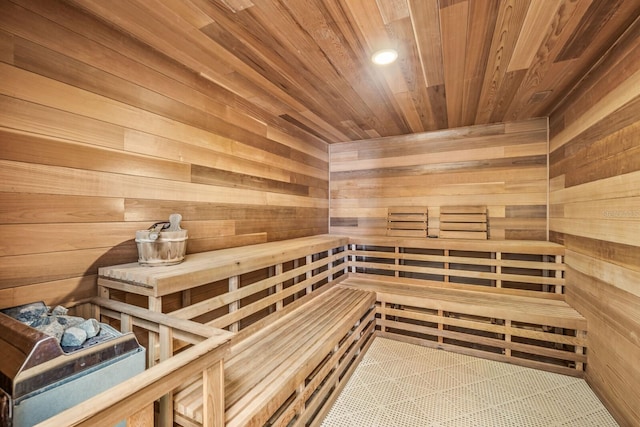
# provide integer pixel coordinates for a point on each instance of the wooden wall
(503, 166)
(101, 136)
(595, 212)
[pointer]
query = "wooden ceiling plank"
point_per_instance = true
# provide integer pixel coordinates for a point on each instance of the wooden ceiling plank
(238, 5)
(302, 66)
(418, 112)
(482, 22)
(589, 29)
(626, 15)
(511, 85)
(393, 10)
(425, 18)
(453, 22)
(375, 35)
(366, 98)
(411, 115)
(138, 63)
(286, 59)
(159, 30)
(537, 24)
(543, 74)
(191, 14)
(507, 30)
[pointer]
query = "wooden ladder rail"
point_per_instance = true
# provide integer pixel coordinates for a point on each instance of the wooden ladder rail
(205, 357)
(139, 392)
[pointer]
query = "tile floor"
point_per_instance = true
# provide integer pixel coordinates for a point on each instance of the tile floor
(406, 385)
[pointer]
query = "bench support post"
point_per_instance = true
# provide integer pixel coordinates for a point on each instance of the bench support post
(278, 272)
(166, 401)
(213, 395)
(559, 261)
(309, 274)
(233, 306)
(155, 304)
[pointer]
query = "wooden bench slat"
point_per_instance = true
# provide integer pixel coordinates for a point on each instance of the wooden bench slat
(519, 308)
(401, 224)
(264, 372)
(280, 345)
(471, 235)
(207, 267)
(408, 233)
(462, 210)
(281, 382)
(473, 218)
(463, 226)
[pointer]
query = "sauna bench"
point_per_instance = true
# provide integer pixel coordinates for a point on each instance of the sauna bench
(302, 312)
(288, 369)
(207, 267)
(530, 331)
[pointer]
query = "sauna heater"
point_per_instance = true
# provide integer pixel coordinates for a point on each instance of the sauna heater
(38, 378)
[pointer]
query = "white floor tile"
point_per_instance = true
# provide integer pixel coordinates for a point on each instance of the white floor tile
(405, 385)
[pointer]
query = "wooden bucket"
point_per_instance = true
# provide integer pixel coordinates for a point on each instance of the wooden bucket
(167, 249)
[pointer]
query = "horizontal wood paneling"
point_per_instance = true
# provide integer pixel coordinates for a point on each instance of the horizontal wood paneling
(595, 212)
(461, 62)
(101, 136)
(502, 166)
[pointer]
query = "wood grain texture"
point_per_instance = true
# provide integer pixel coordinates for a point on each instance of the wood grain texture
(594, 211)
(498, 166)
(89, 114)
(307, 64)
(114, 115)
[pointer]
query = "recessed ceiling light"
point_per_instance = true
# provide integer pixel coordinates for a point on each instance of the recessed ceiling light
(384, 56)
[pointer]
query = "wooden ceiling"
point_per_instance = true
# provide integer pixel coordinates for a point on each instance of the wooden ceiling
(461, 62)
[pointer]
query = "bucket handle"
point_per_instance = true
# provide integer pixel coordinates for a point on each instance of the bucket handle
(157, 228)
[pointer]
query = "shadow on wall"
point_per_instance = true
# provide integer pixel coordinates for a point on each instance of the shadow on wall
(122, 253)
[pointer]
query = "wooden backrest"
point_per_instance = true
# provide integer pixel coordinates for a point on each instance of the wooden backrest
(407, 221)
(528, 268)
(464, 222)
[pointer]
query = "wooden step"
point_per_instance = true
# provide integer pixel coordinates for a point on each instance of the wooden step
(540, 333)
(518, 308)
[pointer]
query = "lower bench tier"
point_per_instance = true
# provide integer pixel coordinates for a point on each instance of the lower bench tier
(289, 372)
(538, 333)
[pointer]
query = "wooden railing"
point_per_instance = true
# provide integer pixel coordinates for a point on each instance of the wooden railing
(133, 399)
(527, 268)
(232, 288)
(284, 283)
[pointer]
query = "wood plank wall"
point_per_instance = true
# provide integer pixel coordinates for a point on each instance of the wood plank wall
(595, 212)
(101, 136)
(503, 166)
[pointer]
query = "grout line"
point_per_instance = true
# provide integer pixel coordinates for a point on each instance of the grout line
(506, 395)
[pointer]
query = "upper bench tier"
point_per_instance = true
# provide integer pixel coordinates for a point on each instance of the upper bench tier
(502, 260)
(207, 267)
